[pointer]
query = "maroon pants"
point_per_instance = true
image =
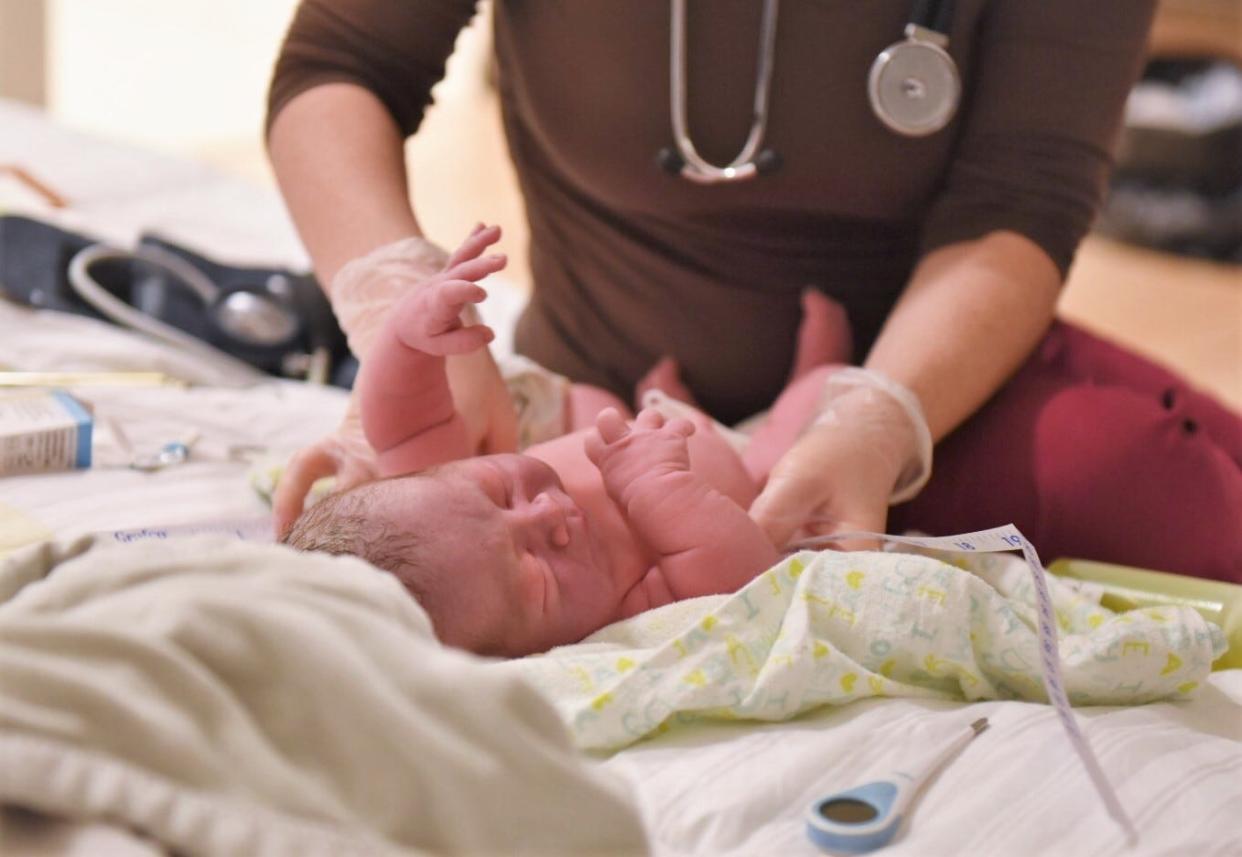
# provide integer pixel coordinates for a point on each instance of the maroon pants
(1095, 453)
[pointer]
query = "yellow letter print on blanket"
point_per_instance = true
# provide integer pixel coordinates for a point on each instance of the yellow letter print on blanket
(827, 628)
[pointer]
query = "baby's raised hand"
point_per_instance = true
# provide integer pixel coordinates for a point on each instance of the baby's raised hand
(429, 318)
(631, 456)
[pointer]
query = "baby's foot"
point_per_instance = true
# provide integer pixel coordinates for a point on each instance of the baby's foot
(664, 376)
(824, 335)
(628, 456)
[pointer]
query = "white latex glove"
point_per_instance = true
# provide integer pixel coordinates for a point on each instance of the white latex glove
(868, 447)
(362, 293)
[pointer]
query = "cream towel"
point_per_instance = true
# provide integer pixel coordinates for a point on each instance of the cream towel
(228, 698)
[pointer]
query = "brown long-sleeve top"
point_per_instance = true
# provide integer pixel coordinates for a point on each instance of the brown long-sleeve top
(631, 263)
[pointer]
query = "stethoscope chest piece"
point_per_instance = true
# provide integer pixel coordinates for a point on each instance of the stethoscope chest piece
(914, 85)
(256, 319)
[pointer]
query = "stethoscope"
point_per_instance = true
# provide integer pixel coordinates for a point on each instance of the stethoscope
(244, 326)
(914, 89)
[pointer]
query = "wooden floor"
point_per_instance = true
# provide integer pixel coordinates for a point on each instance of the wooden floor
(1184, 313)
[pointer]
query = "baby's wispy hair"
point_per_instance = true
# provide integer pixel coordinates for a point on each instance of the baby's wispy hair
(344, 525)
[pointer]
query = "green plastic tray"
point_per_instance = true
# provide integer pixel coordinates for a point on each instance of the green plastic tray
(1126, 588)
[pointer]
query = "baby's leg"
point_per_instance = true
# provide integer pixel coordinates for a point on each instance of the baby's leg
(664, 376)
(824, 334)
(824, 343)
(585, 402)
(824, 337)
(795, 407)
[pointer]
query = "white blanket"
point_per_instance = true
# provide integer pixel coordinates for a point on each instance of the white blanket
(226, 698)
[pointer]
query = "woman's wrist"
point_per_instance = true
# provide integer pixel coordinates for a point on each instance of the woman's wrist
(892, 417)
(364, 289)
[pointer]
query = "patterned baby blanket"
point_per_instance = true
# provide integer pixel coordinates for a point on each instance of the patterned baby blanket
(826, 628)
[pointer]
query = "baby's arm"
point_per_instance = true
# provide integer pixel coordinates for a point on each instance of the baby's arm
(408, 413)
(705, 542)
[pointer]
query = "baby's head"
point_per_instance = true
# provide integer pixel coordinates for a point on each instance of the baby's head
(503, 560)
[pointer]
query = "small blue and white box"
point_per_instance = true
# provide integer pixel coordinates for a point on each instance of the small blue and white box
(43, 430)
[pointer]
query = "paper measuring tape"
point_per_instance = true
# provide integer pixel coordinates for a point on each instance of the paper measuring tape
(998, 540)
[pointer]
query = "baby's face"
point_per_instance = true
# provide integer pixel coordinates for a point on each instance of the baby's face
(525, 569)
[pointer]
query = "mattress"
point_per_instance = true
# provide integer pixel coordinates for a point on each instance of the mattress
(722, 788)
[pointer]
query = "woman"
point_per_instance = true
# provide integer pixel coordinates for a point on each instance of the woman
(947, 251)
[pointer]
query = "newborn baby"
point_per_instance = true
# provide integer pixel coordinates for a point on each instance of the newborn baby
(517, 553)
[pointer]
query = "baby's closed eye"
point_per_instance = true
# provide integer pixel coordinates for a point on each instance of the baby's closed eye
(498, 489)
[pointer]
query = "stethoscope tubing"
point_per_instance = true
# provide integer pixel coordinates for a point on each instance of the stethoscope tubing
(118, 311)
(926, 36)
(695, 167)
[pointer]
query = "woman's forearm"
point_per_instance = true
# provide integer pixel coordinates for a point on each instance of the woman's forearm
(972, 313)
(340, 162)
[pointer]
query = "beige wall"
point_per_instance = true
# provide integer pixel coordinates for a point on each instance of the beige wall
(22, 39)
(185, 76)
(169, 74)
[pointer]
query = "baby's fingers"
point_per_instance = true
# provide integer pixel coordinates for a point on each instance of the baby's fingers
(460, 292)
(450, 297)
(681, 426)
(649, 418)
(464, 339)
(305, 468)
(653, 420)
(479, 239)
(611, 425)
(477, 269)
(594, 447)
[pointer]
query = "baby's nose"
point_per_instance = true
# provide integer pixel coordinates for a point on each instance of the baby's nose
(549, 518)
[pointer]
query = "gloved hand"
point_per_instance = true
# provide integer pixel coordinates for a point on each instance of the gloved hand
(362, 293)
(869, 446)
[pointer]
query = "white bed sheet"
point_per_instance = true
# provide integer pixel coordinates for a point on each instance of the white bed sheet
(742, 789)
(725, 789)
